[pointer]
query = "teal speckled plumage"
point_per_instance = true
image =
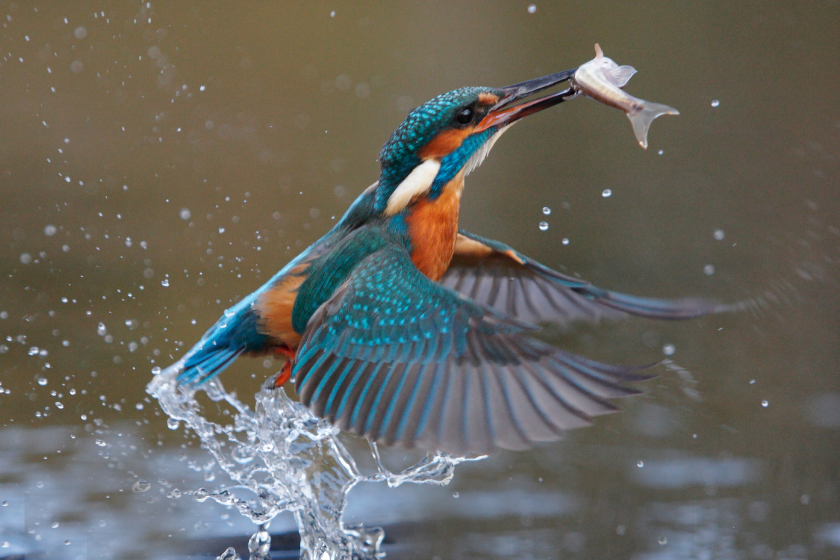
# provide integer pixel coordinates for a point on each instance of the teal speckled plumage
(404, 329)
(399, 154)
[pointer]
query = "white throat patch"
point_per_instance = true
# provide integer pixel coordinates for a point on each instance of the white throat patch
(418, 182)
(478, 157)
(422, 177)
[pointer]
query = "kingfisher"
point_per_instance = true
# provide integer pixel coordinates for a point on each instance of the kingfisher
(400, 327)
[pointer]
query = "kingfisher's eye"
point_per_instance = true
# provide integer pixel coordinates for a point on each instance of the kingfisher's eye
(464, 116)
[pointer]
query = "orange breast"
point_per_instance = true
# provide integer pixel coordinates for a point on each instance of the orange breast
(275, 309)
(433, 227)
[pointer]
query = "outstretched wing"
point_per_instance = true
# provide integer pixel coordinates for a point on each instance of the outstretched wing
(493, 274)
(396, 357)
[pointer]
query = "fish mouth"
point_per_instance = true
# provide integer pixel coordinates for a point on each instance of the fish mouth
(505, 112)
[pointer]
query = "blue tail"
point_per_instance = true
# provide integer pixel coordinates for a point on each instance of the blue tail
(197, 367)
(236, 332)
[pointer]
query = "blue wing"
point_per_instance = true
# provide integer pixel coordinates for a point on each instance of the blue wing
(396, 357)
(494, 274)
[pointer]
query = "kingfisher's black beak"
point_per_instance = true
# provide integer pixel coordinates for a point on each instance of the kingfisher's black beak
(504, 112)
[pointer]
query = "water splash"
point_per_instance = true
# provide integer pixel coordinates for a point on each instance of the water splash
(280, 457)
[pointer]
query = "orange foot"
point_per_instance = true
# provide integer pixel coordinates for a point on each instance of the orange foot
(285, 373)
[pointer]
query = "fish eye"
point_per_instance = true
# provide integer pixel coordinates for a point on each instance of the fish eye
(464, 116)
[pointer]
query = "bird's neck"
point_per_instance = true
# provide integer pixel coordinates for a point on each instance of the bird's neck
(433, 229)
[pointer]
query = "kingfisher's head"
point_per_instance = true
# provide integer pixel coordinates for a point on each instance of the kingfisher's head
(452, 134)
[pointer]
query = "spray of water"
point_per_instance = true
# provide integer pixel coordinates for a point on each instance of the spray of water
(280, 457)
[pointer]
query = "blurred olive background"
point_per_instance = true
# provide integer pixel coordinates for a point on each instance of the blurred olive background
(160, 160)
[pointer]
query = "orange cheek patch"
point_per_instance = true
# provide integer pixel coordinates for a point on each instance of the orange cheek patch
(444, 143)
(488, 98)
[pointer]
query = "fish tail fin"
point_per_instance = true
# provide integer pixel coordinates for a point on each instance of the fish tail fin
(641, 119)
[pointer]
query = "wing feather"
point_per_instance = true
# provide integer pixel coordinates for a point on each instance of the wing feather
(440, 371)
(493, 274)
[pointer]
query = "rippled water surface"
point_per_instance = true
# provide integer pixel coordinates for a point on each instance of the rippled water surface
(158, 161)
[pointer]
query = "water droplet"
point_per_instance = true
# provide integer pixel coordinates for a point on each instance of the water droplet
(141, 486)
(50, 230)
(243, 454)
(606, 193)
(67, 542)
(59, 405)
(42, 381)
(25, 258)
(172, 424)
(719, 234)
(155, 370)
(532, 8)
(165, 282)
(54, 525)
(101, 330)
(640, 464)
(5, 544)
(80, 32)
(260, 543)
(101, 443)
(224, 497)
(565, 241)
(456, 495)
(221, 230)
(765, 403)
(715, 103)
(546, 210)
(174, 494)
(185, 213)
(660, 152)
(663, 540)
(709, 269)
(229, 554)
(669, 349)
(543, 226)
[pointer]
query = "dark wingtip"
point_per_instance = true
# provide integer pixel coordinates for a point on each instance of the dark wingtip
(685, 308)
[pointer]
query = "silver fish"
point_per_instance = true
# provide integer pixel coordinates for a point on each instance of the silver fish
(602, 79)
